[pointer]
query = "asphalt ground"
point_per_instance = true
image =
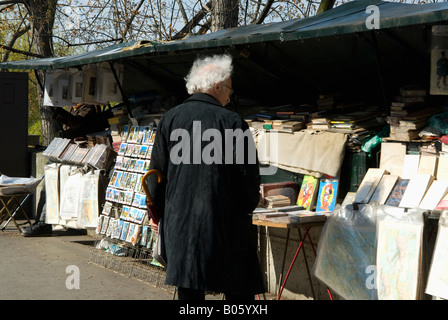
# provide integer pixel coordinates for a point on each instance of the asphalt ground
(60, 267)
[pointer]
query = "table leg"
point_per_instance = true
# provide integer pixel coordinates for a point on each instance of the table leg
(306, 265)
(292, 264)
(284, 259)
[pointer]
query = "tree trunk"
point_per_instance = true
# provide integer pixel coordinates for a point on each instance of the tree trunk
(224, 14)
(42, 21)
(325, 5)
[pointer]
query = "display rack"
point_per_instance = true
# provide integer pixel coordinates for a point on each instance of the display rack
(124, 239)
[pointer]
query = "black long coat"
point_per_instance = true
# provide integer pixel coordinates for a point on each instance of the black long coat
(205, 208)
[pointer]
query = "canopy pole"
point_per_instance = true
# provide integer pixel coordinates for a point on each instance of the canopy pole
(125, 98)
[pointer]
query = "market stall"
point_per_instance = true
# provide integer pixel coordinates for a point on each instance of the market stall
(327, 86)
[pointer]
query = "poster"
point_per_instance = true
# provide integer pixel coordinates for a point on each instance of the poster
(437, 284)
(88, 201)
(439, 60)
(52, 193)
(398, 260)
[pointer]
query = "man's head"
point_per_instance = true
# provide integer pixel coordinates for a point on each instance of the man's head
(212, 75)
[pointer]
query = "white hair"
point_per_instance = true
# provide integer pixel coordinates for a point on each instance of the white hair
(207, 71)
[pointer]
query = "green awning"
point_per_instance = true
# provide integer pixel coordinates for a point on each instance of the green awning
(348, 18)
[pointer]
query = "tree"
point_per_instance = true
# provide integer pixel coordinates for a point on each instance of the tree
(38, 16)
(53, 26)
(325, 5)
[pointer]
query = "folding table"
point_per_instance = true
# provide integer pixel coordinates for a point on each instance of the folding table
(11, 205)
(288, 226)
(14, 192)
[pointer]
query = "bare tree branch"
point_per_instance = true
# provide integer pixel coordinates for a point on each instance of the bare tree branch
(192, 23)
(27, 53)
(13, 39)
(265, 12)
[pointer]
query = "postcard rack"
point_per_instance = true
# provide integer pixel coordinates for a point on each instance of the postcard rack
(124, 239)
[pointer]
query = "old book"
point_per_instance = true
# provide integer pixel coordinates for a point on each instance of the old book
(434, 195)
(417, 187)
(291, 126)
(384, 188)
(368, 184)
(397, 193)
(308, 192)
(328, 194)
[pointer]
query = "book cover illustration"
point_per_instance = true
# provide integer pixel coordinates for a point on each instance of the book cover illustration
(308, 191)
(397, 193)
(327, 196)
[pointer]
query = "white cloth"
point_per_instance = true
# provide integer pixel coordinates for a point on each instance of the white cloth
(307, 151)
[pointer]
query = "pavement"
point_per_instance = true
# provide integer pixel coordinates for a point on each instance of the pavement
(60, 267)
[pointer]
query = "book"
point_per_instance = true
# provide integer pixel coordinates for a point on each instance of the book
(384, 188)
(327, 196)
(368, 184)
(435, 194)
(308, 192)
(415, 191)
(397, 193)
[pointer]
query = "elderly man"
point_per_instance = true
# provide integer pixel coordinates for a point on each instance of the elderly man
(208, 192)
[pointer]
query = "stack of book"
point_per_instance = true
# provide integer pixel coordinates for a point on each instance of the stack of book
(321, 123)
(407, 128)
(354, 121)
(411, 98)
(326, 101)
(276, 201)
(409, 113)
